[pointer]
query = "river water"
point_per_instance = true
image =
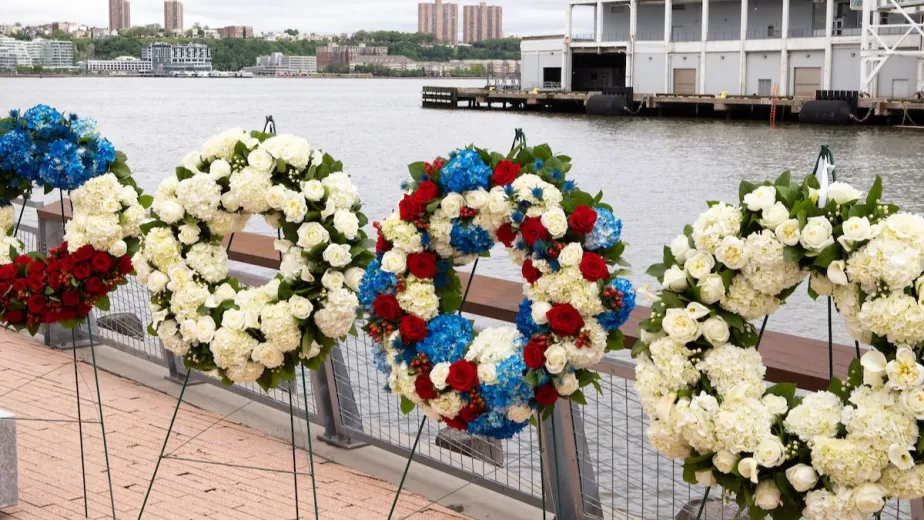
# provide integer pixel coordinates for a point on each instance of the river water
(656, 173)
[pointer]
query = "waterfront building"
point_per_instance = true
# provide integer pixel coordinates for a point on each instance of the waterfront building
(739, 47)
(439, 19)
(171, 57)
(10, 29)
(48, 54)
(236, 31)
(337, 55)
(280, 64)
(482, 22)
(388, 62)
(119, 15)
(173, 16)
(121, 65)
(98, 33)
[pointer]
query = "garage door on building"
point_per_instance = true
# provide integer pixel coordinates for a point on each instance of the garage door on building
(808, 80)
(684, 81)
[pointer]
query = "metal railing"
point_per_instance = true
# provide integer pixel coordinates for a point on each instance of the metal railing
(609, 471)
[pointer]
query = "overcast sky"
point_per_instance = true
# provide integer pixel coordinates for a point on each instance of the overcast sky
(521, 17)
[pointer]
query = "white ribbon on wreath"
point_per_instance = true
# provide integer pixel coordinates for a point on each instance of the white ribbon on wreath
(824, 168)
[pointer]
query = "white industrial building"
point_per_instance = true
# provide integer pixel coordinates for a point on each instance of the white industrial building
(166, 58)
(279, 64)
(121, 65)
(739, 47)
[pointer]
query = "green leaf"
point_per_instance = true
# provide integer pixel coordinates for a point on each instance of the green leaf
(183, 174)
(793, 254)
(285, 291)
(744, 188)
(615, 341)
(828, 255)
(103, 303)
(406, 405)
(875, 193)
(837, 388)
(417, 170)
(641, 348)
(855, 374)
(280, 166)
(784, 390)
(657, 271)
(578, 397)
(785, 179)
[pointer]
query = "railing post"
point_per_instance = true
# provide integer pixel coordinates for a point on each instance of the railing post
(560, 452)
(336, 403)
(590, 490)
(917, 509)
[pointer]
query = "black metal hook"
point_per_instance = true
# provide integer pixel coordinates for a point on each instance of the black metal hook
(519, 139)
(270, 126)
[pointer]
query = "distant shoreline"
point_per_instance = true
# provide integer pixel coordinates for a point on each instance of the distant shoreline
(116, 76)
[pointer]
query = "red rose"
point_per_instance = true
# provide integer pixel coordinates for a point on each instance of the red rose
(546, 394)
(23, 260)
(67, 315)
(424, 387)
(534, 355)
(565, 320)
(96, 286)
(413, 328)
(456, 424)
(84, 254)
(19, 285)
(409, 207)
(37, 268)
(125, 265)
(463, 375)
(7, 272)
(382, 245)
(36, 303)
(82, 271)
(386, 307)
(533, 231)
(469, 413)
(15, 317)
(505, 173)
(593, 267)
(36, 283)
(427, 191)
(422, 265)
(70, 299)
(506, 235)
(582, 220)
(51, 317)
(530, 272)
(102, 262)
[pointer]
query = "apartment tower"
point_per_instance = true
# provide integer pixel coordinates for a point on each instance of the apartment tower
(482, 22)
(173, 16)
(439, 19)
(119, 15)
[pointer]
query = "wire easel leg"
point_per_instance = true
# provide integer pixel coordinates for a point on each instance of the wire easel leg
(557, 472)
(164, 447)
(294, 457)
(314, 487)
(407, 467)
(102, 424)
(83, 464)
(702, 505)
(541, 465)
(830, 343)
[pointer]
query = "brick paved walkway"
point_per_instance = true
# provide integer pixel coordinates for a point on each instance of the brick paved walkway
(38, 383)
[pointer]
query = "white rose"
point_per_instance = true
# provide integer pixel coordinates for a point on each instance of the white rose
(869, 498)
(858, 229)
(680, 326)
(189, 235)
(571, 255)
(675, 279)
(439, 374)
(189, 330)
(731, 252)
(539, 311)
(566, 384)
(205, 329)
(268, 356)
(725, 461)
(394, 262)
(767, 496)
(697, 311)
(261, 160)
(816, 235)
(556, 222)
(487, 374)
(711, 288)
(842, 193)
(775, 404)
(666, 407)
(519, 414)
(900, 457)
(699, 265)
(313, 190)
(354, 277)
(913, 400)
(747, 467)
(118, 248)
(300, 307)
(770, 452)
(157, 282)
(788, 232)
(452, 205)
(774, 216)
(837, 272)
(761, 198)
(332, 280)
(802, 477)
(556, 357)
(705, 478)
(312, 234)
(821, 285)
(192, 161)
(680, 247)
(277, 196)
(233, 319)
(716, 332)
(220, 169)
(476, 199)
(347, 223)
(170, 211)
(337, 255)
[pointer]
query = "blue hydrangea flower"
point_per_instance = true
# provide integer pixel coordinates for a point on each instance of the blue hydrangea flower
(470, 239)
(465, 172)
(447, 338)
(612, 320)
(495, 424)
(375, 282)
(606, 232)
(511, 388)
(525, 323)
(379, 358)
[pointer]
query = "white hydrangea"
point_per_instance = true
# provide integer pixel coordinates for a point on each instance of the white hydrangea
(903, 485)
(896, 316)
(209, 260)
(720, 221)
(667, 441)
(341, 191)
(767, 270)
(448, 404)
(743, 299)
(848, 462)
(222, 145)
(186, 300)
(825, 505)
(741, 424)
(403, 235)
(886, 262)
(248, 189)
(819, 415)
(335, 319)
(728, 366)
(879, 418)
(6, 219)
(672, 360)
(161, 248)
(292, 149)
(524, 188)
(280, 327)
(494, 345)
(568, 285)
(199, 196)
(587, 356)
(247, 373)
(694, 420)
(232, 348)
(419, 299)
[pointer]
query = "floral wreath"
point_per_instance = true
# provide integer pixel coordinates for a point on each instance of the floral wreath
(566, 241)
(258, 334)
(836, 454)
(53, 150)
